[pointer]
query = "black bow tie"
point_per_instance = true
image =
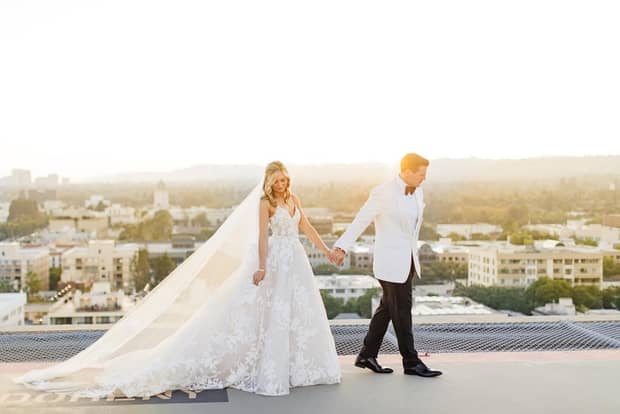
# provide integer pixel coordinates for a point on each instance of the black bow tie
(409, 189)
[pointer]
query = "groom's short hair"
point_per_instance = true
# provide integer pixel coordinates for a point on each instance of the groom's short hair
(412, 162)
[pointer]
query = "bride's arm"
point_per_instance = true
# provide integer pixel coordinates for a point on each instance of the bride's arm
(308, 229)
(263, 234)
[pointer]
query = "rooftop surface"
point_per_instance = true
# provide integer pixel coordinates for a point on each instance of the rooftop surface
(496, 382)
(490, 364)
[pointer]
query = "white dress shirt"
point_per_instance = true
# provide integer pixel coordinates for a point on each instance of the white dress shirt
(411, 202)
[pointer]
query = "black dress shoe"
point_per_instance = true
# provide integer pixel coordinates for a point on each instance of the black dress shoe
(372, 364)
(421, 369)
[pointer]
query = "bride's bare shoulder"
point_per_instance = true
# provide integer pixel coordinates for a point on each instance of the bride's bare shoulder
(266, 205)
(296, 199)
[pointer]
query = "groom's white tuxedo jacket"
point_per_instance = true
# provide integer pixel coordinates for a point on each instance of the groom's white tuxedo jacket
(396, 233)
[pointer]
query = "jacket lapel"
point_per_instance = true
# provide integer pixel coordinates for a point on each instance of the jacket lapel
(402, 209)
(420, 201)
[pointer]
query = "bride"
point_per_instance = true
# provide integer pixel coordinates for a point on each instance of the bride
(243, 311)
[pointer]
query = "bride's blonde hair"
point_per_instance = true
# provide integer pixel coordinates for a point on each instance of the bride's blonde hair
(270, 173)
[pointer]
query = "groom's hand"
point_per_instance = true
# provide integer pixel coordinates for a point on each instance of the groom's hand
(338, 255)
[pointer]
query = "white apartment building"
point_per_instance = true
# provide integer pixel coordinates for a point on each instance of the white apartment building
(4, 211)
(160, 197)
(466, 230)
(101, 305)
(79, 220)
(510, 265)
(99, 261)
(53, 207)
(119, 214)
(12, 309)
(603, 235)
(94, 200)
(17, 261)
(346, 286)
(362, 256)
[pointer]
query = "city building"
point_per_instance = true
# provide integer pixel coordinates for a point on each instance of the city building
(604, 235)
(94, 200)
(564, 306)
(611, 220)
(12, 309)
(361, 256)
(503, 264)
(99, 261)
(16, 262)
(119, 214)
(51, 181)
(4, 211)
(346, 286)
(160, 197)
(467, 230)
(81, 220)
(20, 178)
(216, 216)
(177, 249)
(101, 305)
(53, 207)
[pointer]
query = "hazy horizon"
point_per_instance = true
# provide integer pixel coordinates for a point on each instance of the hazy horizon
(442, 170)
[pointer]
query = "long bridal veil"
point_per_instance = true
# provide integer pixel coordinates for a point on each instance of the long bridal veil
(171, 303)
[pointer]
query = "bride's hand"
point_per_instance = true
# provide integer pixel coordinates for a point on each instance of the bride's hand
(259, 275)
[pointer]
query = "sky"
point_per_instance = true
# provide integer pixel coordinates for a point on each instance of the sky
(90, 88)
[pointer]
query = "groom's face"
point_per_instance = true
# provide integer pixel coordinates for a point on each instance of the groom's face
(415, 178)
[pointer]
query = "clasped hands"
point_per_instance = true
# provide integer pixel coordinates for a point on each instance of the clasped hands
(336, 256)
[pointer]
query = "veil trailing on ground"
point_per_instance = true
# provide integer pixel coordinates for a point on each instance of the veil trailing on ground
(171, 303)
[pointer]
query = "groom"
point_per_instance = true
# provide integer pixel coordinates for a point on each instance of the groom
(396, 207)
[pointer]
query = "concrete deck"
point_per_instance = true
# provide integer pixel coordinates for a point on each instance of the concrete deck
(497, 382)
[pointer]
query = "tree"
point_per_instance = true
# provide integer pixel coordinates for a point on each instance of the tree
(496, 297)
(24, 219)
(140, 269)
(162, 266)
(99, 207)
(427, 232)
(611, 297)
(205, 234)
(363, 304)
(157, 228)
(325, 269)
(456, 237)
(55, 273)
(338, 232)
(610, 267)
(588, 241)
(160, 227)
(333, 305)
(33, 284)
(546, 290)
(590, 297)
(200, 220)
(23, 209)
(5, 287)
(443, 271)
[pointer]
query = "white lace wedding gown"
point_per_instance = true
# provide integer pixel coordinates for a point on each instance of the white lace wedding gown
(263, 339)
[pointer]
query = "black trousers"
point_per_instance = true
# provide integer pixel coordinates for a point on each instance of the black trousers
(395, 305)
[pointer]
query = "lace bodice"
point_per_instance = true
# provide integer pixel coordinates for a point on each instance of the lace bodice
(282, 224)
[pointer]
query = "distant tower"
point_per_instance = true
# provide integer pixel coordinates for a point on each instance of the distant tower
(160, 196)
(21, 178)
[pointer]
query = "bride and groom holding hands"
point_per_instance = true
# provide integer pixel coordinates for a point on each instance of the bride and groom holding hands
(258, 323)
